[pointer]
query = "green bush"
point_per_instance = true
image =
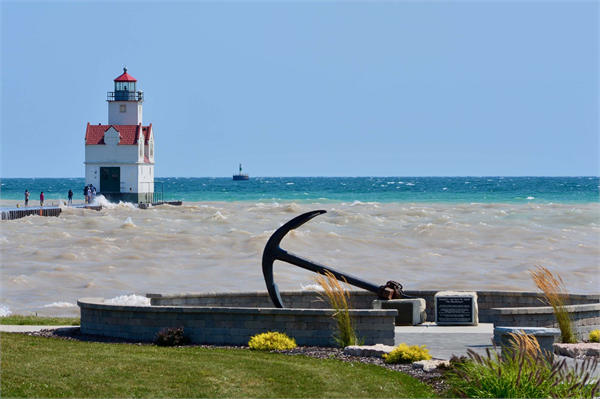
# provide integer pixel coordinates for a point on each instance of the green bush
(407, 354)
(171, 337)
(594, 336)
(271, 341)
(520, 374)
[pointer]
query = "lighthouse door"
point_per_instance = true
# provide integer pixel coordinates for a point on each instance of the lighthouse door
(110, 180)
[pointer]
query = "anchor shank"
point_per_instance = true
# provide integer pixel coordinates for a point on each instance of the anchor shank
(318, 268)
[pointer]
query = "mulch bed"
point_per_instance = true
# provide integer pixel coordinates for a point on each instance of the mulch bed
(433, 379)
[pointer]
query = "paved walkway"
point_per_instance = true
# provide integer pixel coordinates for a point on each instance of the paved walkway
(445, 341)
(13, 328)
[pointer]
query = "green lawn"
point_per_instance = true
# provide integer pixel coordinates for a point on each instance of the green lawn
(43, 367)
(39, 321)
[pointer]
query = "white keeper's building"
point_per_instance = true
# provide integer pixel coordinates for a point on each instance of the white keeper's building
(119, 156)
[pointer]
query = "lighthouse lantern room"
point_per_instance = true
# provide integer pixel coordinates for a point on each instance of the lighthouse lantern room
(119, 156)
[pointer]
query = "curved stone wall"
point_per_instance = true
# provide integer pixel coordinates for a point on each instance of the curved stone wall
(229, 325)
(233, 317)
(502, 308)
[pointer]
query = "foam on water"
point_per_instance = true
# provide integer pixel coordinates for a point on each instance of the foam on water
(311, 287)
(129, 300)
(100, 200)
(5, 311)
(128, 223)
(60, 305)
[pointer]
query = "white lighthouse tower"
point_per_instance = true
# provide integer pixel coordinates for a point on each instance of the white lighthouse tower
(119, 156)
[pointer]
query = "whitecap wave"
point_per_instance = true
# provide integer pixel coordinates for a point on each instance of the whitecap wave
(5, 311)
(60, 305)
(129, 300)
(106, 204)
(128, 223)
(311, 287)
(218, 216)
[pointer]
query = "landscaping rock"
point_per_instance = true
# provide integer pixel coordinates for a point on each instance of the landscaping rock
(376, 350)
(430, 365)
(577, 350)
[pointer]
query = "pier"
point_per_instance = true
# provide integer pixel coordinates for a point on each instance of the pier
(17, 213)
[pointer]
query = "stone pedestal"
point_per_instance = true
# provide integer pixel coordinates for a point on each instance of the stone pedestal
(410, 311)
(456, 308)
(546, 337)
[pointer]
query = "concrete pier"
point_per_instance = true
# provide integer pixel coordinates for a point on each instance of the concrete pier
(17, 213)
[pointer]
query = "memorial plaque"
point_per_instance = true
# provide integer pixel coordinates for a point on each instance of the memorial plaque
(456, 308)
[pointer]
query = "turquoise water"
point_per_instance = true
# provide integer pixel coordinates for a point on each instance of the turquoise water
(343, 189)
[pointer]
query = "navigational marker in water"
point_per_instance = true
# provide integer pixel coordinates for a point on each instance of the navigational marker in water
(241, 176)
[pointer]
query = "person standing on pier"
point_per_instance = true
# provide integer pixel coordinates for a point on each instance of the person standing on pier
(42, 198)
(70, 197)
(85, 193)
(26, 198)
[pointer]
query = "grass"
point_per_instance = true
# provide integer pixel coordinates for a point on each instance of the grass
(556, 295)
(39, 321)
(339, 299)
(523, 371)
(52, 368)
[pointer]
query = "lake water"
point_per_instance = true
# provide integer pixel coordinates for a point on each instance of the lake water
(427, 233)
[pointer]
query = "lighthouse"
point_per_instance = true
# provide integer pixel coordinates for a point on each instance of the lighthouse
(119, 156)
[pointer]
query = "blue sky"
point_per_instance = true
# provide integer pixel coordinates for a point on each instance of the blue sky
(309, 88)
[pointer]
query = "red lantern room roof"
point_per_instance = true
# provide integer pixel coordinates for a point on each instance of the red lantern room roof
(125, 77)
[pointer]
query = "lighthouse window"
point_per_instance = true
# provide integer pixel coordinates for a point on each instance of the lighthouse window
(141, 151)
(123, 108)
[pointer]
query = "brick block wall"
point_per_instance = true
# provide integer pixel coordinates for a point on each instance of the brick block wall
(486, 300)
(585, 318)
(229, 325)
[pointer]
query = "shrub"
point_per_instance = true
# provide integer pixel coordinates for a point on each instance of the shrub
(171, 337)
(339, 298)
(522, 372)
(407, 354)
(556, 296)
(271, 341)
(594, 336)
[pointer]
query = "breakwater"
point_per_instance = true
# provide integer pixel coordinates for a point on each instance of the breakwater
(17, 213)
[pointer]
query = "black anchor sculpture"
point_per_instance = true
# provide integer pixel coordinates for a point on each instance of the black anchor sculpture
(273, 252)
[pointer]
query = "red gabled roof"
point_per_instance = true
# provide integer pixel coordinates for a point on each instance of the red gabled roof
(125, 77)
(146, 130)
(130, 134)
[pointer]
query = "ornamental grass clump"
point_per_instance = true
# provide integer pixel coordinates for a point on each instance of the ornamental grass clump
(594, 336)
(271, 341)
(407, 354)
(556, 295)
(522, 371)
(339, 300)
